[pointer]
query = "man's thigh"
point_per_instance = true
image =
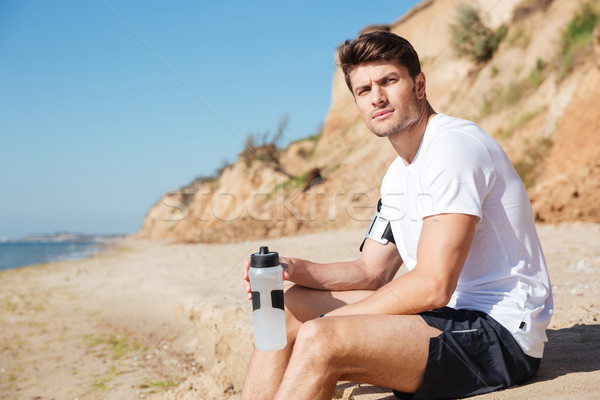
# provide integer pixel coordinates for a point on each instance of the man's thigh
(384, 350)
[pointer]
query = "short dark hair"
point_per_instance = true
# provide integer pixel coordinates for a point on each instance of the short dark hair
(375, 46)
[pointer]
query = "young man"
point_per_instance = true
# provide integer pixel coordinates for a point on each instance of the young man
(470, 315)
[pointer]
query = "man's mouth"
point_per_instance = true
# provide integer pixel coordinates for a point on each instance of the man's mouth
(382, 114)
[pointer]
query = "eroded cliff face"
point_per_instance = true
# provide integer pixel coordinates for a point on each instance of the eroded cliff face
(542, 112)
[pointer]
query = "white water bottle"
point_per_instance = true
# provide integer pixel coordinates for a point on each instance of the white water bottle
(266, 280)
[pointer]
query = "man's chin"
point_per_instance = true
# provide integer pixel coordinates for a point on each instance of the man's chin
(385, 134)
(385, 128)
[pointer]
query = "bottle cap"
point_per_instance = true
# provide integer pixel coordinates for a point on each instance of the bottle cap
(264, 258)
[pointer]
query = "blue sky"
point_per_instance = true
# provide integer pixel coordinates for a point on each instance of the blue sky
(107, 105)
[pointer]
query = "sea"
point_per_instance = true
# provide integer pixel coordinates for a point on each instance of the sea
(22, 253)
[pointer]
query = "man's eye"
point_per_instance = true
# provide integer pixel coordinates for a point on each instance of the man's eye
(362, 92)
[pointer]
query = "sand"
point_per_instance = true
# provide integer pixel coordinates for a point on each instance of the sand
(171, 321)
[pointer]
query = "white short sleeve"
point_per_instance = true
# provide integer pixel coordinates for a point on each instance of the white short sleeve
(455, 177)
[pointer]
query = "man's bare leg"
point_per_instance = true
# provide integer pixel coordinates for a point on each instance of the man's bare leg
(266, 368)
(384, 350)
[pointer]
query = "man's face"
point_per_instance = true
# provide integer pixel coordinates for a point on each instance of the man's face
(385, 96)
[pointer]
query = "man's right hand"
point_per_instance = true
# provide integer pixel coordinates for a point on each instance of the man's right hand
(245, 269)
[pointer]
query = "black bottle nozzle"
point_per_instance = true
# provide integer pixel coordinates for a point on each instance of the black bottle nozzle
(264, 258)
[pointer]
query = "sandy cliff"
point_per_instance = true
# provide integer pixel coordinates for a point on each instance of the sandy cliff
(535, 95)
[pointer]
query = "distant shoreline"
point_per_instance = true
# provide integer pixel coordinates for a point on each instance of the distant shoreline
(60, 237)
(26, 252)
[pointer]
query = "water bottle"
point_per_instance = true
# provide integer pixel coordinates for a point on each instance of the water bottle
(266, 280)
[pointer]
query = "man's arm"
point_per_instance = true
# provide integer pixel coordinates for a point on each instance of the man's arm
(376, 266)
(442, 251)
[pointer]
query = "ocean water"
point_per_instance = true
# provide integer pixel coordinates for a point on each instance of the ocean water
(19, 254)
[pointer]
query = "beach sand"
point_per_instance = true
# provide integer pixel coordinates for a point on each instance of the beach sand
(171, 321)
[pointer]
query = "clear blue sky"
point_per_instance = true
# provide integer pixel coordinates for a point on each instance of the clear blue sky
(95, 128)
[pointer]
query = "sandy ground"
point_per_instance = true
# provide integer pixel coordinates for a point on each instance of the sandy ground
(170, 321)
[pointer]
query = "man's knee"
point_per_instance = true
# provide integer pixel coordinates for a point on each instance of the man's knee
(314, 340)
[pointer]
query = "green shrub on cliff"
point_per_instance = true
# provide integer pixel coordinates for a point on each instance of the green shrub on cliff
(472, 38)
(577, 36)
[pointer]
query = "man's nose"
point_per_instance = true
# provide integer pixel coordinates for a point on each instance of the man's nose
(378, 96)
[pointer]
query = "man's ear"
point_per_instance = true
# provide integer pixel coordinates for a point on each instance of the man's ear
(420, 85)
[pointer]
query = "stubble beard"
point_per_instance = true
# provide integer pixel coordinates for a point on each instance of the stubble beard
(396, 129)
(405, 121)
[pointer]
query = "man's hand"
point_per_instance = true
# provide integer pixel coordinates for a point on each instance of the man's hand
(285, 264)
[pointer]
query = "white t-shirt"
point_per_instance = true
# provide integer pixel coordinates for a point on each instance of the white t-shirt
(461, 169)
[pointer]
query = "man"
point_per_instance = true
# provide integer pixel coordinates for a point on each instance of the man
(470, 315)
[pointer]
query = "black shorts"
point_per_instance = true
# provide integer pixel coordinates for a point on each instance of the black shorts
(474, 354)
